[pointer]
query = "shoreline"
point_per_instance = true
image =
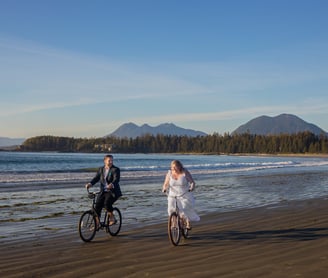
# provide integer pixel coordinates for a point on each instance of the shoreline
(44, 210)
(285, 240)
(307, 155)
(324, 155)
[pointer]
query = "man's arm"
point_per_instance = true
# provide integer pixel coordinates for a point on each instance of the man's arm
(95, 179)
(116, 175)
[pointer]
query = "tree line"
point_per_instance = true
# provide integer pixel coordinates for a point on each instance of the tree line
(300, 143)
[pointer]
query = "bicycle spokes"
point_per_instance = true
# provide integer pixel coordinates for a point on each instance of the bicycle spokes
(174, 229)
(90, 223)
(87, 226)
(114, 223)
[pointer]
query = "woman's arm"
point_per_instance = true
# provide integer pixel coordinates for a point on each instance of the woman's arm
(166, 183)
(190, 180)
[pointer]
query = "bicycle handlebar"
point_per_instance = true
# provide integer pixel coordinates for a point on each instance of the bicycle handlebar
(93, 192)
(166, 192)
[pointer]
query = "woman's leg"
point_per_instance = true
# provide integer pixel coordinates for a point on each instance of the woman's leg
(187, 207)
(170, 205)
(182, 205)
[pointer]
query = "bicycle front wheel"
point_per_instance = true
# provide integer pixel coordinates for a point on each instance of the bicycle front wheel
(114, 228)
(87, 226)
(174, 228)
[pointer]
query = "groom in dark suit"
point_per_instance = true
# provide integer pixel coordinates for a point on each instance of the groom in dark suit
(109, 178)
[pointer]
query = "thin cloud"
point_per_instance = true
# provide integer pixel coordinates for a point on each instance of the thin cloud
(246, 113)
(62, 79)
(35, 78)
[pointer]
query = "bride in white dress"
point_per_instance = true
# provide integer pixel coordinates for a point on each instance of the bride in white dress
(180, 184)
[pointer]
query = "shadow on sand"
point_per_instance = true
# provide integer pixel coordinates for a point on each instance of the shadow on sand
(277, 236)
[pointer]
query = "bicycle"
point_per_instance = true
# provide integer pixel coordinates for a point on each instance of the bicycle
(177, 225)
(88, 221)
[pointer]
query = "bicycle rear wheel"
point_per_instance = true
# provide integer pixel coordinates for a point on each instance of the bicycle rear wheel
(115, 228)
(87, 226)
(174, 228)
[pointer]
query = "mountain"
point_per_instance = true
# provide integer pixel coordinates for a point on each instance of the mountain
(284, 123)
(131, 130)
(6, 142)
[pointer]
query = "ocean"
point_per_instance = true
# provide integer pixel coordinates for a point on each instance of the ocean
(43, 193)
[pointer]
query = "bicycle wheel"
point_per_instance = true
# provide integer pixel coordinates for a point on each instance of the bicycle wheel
(174, 228)
(115, 228)
(87, 226)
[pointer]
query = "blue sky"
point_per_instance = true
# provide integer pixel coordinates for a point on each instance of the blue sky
(83, 68)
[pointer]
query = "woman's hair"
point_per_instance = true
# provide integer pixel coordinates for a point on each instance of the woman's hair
(178, 165)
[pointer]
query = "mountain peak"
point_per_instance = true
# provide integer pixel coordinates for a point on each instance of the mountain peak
(6, 141)
(283, 123)
(131, 130)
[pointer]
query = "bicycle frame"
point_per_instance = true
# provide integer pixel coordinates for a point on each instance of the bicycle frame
(90, 223)
(176, 224)
(93, 195)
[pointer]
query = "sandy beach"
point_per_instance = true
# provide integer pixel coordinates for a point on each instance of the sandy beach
(289, 240)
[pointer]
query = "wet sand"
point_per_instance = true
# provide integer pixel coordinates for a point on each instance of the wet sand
(290, 240)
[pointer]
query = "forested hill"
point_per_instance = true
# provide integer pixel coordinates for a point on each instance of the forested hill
(304, 142)
(284, 123)
(131, 130)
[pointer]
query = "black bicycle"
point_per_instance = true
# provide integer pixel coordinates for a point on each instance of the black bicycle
(177, 225)
(89, 219)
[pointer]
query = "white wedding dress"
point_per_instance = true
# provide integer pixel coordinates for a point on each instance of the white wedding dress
(180, 188)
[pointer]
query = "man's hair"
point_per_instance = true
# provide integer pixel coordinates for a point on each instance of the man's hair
(108, 156)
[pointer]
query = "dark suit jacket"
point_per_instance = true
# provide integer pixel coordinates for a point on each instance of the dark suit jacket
(113, 177)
